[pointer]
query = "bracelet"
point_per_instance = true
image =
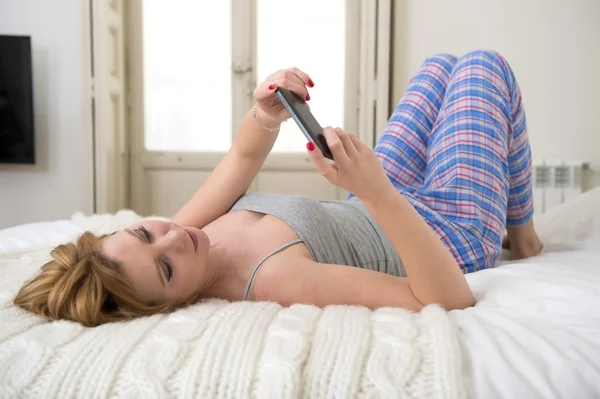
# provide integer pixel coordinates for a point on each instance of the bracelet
(269, 129)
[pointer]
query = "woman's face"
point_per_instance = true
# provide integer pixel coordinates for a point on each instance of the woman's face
(163, 261)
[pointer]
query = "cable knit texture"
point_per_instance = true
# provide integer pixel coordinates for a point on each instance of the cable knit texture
(217, 349)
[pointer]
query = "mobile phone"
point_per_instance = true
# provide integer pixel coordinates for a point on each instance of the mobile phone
(298, 109)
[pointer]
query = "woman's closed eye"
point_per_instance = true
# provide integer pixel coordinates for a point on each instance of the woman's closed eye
(146, 233)
(169, 271)
(149, 238)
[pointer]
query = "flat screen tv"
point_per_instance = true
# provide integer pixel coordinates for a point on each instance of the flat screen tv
(16, 101)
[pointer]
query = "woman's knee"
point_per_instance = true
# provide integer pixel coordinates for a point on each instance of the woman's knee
(446, 60)
(486, 58)
(490, 55)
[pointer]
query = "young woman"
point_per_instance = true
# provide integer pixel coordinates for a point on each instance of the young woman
(430, 203)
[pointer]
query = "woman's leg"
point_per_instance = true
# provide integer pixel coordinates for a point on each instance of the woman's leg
(478, 175)
(402, 148)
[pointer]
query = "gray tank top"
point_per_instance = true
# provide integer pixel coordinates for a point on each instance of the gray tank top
(336, 232)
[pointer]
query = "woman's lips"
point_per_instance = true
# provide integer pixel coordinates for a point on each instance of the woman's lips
(194, 238)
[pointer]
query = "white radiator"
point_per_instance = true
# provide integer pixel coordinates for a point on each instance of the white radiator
(555, 181)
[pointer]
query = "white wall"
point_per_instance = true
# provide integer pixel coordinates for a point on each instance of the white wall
(552, 45)
(60, 183)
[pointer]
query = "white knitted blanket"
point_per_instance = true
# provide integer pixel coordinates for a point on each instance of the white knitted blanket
(218, 349)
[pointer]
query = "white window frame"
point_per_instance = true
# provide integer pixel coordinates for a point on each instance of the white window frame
(375, 57)
(366, 82)
(108, 97)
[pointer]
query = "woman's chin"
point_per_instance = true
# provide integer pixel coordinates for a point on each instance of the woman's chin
(203, 241)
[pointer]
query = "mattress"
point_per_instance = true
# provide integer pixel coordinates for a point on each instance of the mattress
(535, 332)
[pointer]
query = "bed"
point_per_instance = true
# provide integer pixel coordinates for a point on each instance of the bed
(534, 333)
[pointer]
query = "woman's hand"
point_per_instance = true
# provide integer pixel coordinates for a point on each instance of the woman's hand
(291, 79)
(355, 168)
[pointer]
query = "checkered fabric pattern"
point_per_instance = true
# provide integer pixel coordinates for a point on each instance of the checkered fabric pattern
(456, 147)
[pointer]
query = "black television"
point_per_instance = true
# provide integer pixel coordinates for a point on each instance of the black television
(16, 101)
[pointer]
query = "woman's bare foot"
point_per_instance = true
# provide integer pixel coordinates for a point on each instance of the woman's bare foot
(522, 241)
(524, 249)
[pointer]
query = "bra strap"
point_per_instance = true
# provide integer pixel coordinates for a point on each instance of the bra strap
(278, 250)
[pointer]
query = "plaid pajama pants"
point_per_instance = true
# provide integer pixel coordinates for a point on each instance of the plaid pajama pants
(456, 147)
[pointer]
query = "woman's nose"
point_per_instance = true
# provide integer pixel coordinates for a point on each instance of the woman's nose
(175, 240)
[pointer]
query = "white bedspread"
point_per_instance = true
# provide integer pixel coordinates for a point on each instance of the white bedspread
(535, 332)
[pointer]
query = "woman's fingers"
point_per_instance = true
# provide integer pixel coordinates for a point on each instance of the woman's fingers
(334, 142)
(291, 72)
(267, 89)
(323, 166)
(294, 87)
(347, 142)
(359, 145)
(293, 75)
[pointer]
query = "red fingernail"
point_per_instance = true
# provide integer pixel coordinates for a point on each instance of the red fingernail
(272, 87)
(307, 97)
(310, 145)
(311, 83)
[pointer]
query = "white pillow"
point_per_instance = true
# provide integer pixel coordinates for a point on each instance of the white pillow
(575, 220)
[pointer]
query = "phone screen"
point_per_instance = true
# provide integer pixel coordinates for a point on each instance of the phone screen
(304, 119)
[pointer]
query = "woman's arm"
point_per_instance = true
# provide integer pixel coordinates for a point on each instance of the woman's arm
(433, 276)
(234, 174)
(324, 284)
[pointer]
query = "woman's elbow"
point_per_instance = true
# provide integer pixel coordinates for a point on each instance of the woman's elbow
(453, 302)
(460, 303)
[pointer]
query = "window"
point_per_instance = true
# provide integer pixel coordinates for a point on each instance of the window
(309, 35)
(187, 75)
(188, 58)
